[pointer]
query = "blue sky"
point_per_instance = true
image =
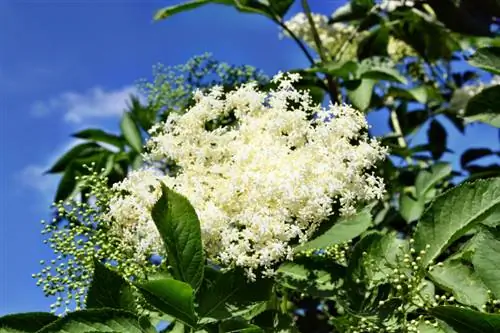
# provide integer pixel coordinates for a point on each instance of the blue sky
(70, 64)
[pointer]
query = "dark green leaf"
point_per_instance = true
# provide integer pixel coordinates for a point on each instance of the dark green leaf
(109, 289)
(453, 213)
(173, 297)
(131, 132)
(437, 136)
(341, 231)
(353, 10)
(238, 326)
(79, 151)
(486, 260)
(473, 154)
(467, 321)
(179, 228)
(67, 184)
(336, 69)
(26, 322)
(280, 7)
(487, 58)
(224, 295)
(189, 5)
(485, 106)
(96, 134)
(375, 44)
(100, 320)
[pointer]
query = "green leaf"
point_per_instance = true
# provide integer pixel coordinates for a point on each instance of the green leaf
(467, 321)
(314, 281)
(374, 44)
(473, 154)
(486, 260)
(131, 132)
(100, 320)
(383, 73)
(173, 297)
(427, 179)
(280, 7)
(67, 184)
(224, 295)
(336, 69)
(109, 289)
(437, 136)
(485, 106)
(453, 213)
(238, 326)
(26, 322)
(343, 230)
(459, 279)
(179, 228)
(99, 135)
(190, 5)
(360, 92)
(79, 151)
(418, 94)
(246, 6)
(410, 209)
(487, 58)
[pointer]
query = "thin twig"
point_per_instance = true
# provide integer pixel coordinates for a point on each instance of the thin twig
(332, 84)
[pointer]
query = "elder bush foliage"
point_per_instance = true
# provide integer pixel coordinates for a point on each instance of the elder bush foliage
(235, 202)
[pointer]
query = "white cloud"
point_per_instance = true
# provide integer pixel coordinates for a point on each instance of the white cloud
(33, 175)
(94, 103)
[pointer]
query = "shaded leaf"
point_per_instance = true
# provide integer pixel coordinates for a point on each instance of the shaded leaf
(79, 151)
(173, 297)
(109, 289)
(437, 136)
(485, 106)
(467, 321)
(26, 322)
(224, 295)
(473, 154)
(486, 260)
(487, 58)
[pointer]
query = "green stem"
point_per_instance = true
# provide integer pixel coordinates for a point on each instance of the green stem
(297, 40)
(332, 84)
(401, 138)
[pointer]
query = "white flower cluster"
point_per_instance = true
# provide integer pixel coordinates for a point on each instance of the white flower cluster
(332, 36)
(267, 178)
(391, 5)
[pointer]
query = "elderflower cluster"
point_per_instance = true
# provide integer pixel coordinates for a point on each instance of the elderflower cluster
(340, 40)
(391, 5)
(261, 169)
(332, 36)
